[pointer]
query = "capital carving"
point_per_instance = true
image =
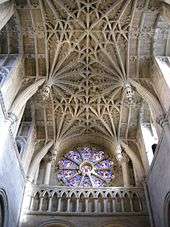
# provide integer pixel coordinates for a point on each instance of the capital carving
(124, 158)
(46, 92)
(12, 117)
(129, 91)
(50, 158)
(162, 120)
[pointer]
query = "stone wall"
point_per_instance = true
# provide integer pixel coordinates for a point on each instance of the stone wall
(11, 177)
(159, 181)
(88, 221)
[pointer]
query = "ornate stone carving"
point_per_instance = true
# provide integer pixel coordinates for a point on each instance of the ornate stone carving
(162, 120)
(89, 52)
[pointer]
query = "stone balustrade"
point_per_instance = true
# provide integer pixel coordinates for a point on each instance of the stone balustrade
(77, 201)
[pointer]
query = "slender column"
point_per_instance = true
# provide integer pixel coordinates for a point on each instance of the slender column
(41, 203)
(6, 12)
(59, 205)
(68, 204)
(47, 173)
(36, 175)
(77, 204)
(131, 204)
(122, 203)
(49, 162)
(86, 205)
(164, 123)
(95, 205)
(125, 172)
(105, 204)
(123, 159)
(113, 205)
(50, 204)
(31, 203)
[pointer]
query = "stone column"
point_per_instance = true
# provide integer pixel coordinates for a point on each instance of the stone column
(49, 162)
(113, 205)
(164, 123)
(36, 175)
(77, 205)
(50, 204)
(47, 173)
(6, 12)
(96, 205)
(59, 205)
(68, 204)
(125, 171)
(86, 205)
(105, 204)
(41, 203)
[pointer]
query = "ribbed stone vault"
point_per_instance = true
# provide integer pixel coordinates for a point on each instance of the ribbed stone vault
(88, 51)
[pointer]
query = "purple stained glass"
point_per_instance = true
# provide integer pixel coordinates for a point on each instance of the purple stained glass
(74, 155)
(67, 164)
(97, 156)
(86, 182)
(105, 164)
(66, 173)
(106, 174)
(86, 153)
(86, 167)
(75, 181)
(98, 182)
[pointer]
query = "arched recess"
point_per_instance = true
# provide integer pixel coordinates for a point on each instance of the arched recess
(138, 167)
(167, 210)
(3, 209)
(57, 223)
(114, 225)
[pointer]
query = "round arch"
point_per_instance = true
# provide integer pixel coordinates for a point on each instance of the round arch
(167, 210)
(114, 225)
(3, 209)
(57, 223)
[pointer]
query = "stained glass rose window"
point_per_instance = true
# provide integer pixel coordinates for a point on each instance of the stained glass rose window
(85, 167)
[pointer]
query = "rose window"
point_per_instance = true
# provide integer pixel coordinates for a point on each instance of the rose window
(86, 167)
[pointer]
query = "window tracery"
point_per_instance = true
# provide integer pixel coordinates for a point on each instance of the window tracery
(85, 167)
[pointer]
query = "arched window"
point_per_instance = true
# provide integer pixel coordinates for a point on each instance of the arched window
(150, 139)
(154, 147)
(85, 167)
(3, 209)
(21, 142)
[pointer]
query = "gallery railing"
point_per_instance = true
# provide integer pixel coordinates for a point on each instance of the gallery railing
(77, 201)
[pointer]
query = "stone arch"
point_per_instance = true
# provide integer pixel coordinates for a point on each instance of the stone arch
(167, 210)
(54, 202)
(114, 225)
(73, 200)
(57, 223)
(63, 207)
(21, 143)
(3, 209)
(36, 202)
(118, 202)
(82, 203)
(45, 201)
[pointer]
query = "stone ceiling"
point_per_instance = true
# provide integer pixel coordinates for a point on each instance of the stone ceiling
(88, 51)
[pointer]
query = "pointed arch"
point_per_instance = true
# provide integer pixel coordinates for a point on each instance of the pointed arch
(22, 98)
(37, 159)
